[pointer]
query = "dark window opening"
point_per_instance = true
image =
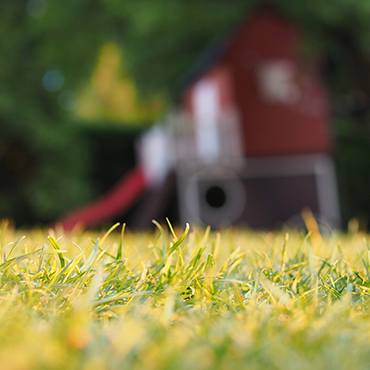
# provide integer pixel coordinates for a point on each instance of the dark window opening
(216, 197)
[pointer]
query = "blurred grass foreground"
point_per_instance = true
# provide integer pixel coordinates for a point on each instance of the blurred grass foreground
(173, 300)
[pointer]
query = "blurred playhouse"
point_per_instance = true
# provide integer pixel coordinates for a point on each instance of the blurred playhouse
(250, 144)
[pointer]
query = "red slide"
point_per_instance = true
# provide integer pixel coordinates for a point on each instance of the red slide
(119, 199)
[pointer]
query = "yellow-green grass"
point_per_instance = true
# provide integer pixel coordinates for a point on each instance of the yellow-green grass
(183, 300)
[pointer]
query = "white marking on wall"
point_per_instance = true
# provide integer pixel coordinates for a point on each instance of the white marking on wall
(155, 152)
(206, 109)
(276, 81)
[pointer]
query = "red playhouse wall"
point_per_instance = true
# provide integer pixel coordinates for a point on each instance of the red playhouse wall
(288, 117)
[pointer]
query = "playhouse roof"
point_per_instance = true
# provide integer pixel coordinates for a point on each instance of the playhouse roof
(220, 45)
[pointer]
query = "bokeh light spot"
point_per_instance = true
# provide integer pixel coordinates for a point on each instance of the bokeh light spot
(36, 8)
(53, 80)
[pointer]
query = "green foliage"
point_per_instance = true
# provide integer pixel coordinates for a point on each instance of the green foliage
(44, 167)
(176, 300)
(354, 169)
(44, 160)
(164, 38)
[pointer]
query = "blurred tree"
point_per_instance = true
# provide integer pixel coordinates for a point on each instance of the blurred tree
(111, 94)
(163, 38)
(45, 54)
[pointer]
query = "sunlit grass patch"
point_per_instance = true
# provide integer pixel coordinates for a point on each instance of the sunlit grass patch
(183, 299)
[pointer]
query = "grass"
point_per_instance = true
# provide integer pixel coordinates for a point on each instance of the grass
(183, 300)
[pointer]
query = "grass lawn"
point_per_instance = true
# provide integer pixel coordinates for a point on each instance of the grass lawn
(183, 300)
